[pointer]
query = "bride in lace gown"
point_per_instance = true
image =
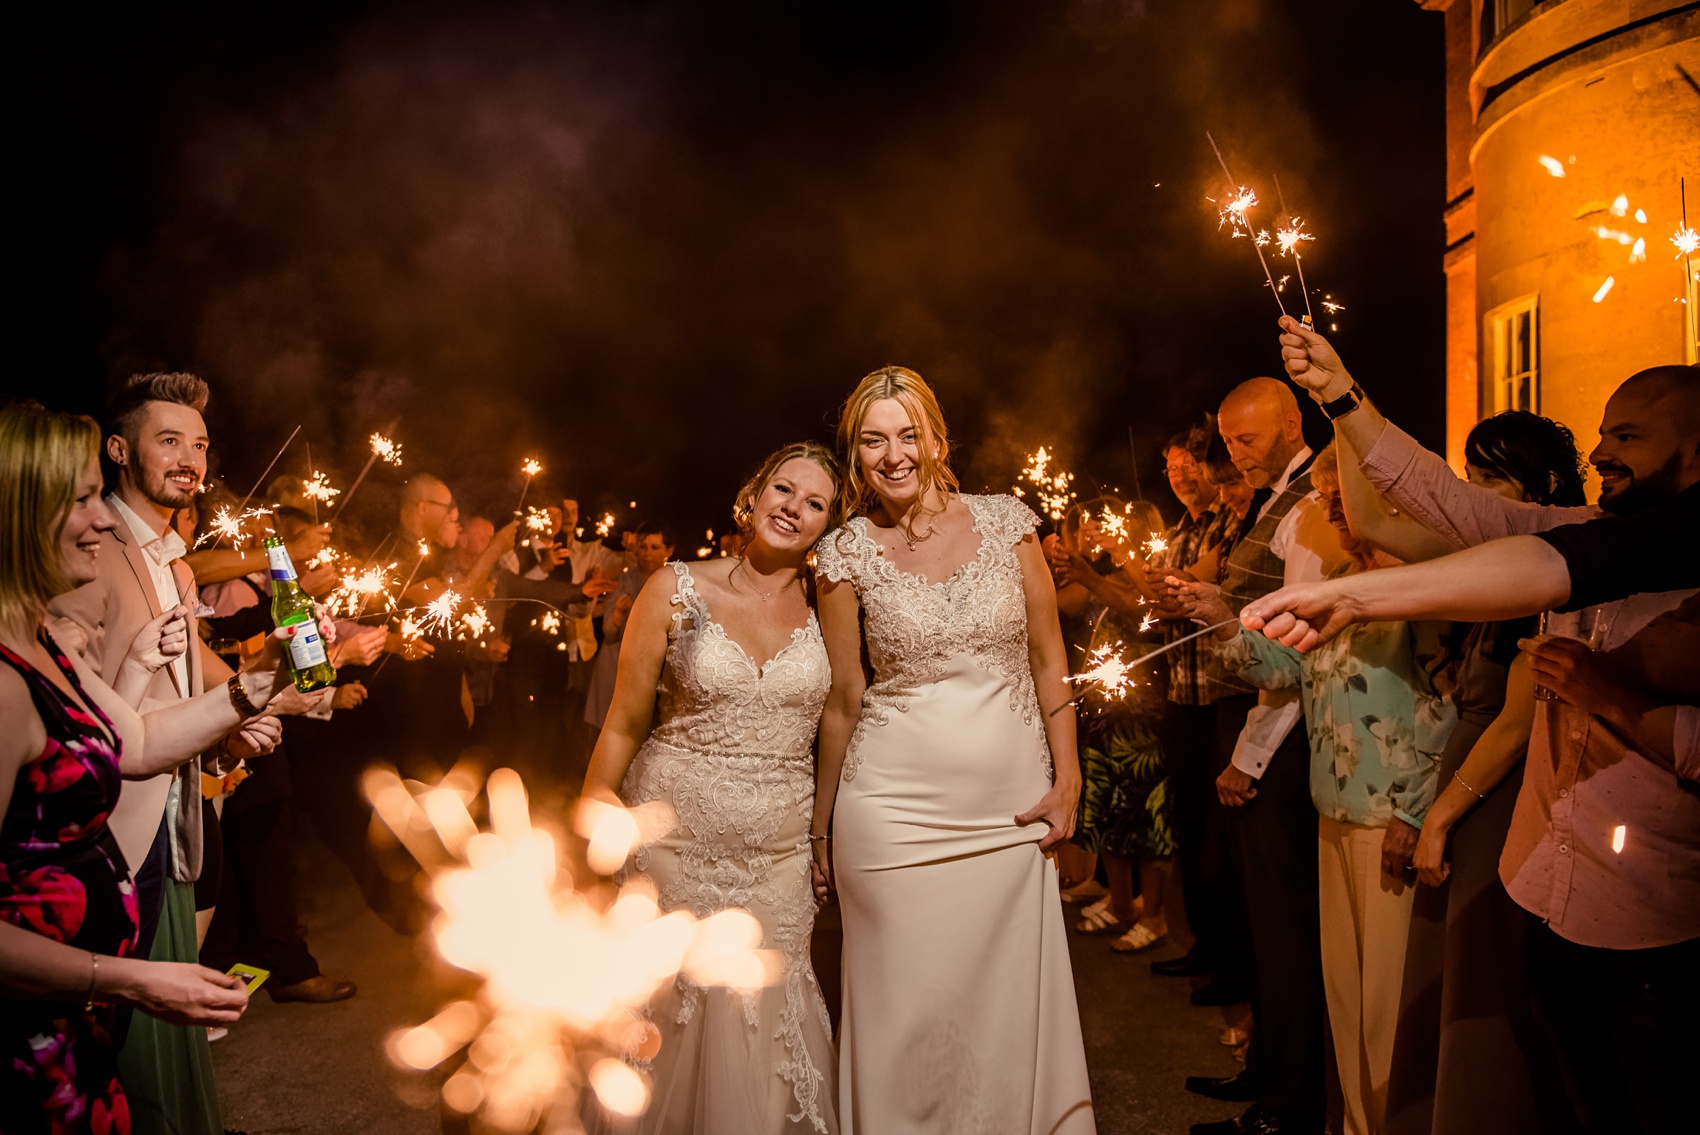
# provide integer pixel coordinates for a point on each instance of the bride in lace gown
(700, 721)
(959, 1008)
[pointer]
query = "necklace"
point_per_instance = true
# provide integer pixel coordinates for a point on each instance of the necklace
(903, 532)
(764, 596)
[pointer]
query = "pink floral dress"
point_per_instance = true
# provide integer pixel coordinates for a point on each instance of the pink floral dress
(62, 875)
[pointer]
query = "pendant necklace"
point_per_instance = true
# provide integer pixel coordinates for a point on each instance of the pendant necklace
(763, 596)
(903, 532)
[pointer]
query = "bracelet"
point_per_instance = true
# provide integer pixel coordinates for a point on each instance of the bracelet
(239, 698)
(94, 975)
(819, 838)
(1467, 788)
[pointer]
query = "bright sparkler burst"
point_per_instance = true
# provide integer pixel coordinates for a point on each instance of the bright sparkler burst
(550, 622)
(474, 622)
(440, 613)
(531, 467)
(1234, 212)
(1156, 546)
(1050, 489)
(1113, 524)
(320, 489)
(1687, 241)
(386, 450)
(605, 525)
(1108, 668)
(356, 591)
(1288, 238)
(226, 525)
(568, 965)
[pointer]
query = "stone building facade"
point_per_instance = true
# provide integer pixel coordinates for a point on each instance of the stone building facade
(1568, 126)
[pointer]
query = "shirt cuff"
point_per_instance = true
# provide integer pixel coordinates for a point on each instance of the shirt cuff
(321, 708)
(1266, 725)
(1414, 821)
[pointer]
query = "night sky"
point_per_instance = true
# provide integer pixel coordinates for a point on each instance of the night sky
(648, 242)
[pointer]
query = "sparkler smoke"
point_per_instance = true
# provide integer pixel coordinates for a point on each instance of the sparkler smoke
(295, 234)
(568, 960)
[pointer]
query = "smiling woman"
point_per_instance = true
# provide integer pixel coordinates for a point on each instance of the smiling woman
(722, 675)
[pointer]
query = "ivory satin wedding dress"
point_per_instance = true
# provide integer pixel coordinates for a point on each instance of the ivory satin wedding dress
(959, 1007)
(732, 751)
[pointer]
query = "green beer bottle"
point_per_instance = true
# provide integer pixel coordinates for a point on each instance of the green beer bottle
(291, 607)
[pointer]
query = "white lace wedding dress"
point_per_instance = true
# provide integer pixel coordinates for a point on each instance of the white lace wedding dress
(732, 751)
(959, 1008)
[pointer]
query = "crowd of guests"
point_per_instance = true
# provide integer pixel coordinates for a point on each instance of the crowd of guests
(1376, 893)
(1451, 867)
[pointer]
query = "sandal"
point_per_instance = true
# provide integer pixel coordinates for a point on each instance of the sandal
(1088, 891)
(1100, 919)
(1139, 937)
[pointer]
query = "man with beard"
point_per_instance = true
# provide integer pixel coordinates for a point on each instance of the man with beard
(1604, 845)
(158, 445)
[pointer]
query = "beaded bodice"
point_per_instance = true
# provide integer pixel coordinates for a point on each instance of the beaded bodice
(917, 631)
(714, 698)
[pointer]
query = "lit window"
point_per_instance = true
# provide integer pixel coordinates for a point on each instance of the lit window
(1513, 379)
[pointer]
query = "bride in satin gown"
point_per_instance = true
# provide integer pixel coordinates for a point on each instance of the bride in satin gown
(944, 782)
(728, 743)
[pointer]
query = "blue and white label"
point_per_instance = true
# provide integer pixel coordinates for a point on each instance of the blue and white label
(307, 649)
(282, 570)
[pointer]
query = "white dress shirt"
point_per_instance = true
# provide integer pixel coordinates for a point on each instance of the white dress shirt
(158, 552)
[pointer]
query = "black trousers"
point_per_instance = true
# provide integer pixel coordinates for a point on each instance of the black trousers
(257, 921)
(1204, 835)
(1277, 845)
(1622, 1022)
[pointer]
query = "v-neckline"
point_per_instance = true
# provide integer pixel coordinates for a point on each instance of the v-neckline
(743, 651)
(979, 553)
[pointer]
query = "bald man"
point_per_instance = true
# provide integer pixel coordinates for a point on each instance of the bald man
(1266, 782)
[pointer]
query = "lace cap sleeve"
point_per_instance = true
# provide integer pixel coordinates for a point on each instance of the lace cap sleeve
(834, 555)
(1012, 519)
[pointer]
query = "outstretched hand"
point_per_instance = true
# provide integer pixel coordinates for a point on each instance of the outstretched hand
(1311, 361)
(1302, 615)
(1057, 810)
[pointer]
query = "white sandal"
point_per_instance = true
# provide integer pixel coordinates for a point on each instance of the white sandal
(1138, 937)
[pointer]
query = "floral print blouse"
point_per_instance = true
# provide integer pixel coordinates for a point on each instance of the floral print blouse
(1376, 714)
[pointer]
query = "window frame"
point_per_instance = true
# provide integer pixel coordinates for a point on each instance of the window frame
(1499, 385)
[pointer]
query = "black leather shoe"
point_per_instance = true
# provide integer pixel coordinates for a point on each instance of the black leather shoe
(1220, 992)
(1255, 1121)
(1187, 965)
(1242, 1087)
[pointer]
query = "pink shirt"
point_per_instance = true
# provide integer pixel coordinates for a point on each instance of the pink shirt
(1605, 843)
(1423, 485)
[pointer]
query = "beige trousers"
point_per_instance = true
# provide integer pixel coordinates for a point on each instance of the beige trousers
(1365, 917)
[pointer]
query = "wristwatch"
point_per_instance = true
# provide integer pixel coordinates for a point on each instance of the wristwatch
(1344, 404)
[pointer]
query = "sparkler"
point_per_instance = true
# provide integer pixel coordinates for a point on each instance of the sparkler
(1051, 490)
(568, 966)
(530, 467)
(382, 448)
(1686, 239)
(268, 469)
(474, 622)
(228, 525)
(318, 488)
(1108, 670)
(1235, 213)
(605, 525)
(356, 591)
(440, 613)
(1116, 666)
(1289, 239)
(1156, 546)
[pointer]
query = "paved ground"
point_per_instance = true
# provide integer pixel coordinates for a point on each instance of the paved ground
(321, 1069)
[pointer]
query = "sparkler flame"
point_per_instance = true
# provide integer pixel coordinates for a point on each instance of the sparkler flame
(1156, 546)
(385, 449)
(440, 612)
(319, 488)
(356, 590)
(1687, 241)
(1288, 238)
(226, 525)
(538, 520)
(531, 467)
(1109, 669)
(1051, 490)
(474, 622)
(605, 525)
(550, 622)
(1234, 212)
(568, 966)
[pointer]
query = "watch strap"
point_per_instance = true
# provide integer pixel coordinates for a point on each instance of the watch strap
(1345, 404)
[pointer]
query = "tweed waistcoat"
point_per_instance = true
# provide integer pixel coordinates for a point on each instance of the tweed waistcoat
(1253, 570)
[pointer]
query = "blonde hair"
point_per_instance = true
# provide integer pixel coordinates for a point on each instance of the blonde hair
(43, 454)
(743, 506)
(909, 390)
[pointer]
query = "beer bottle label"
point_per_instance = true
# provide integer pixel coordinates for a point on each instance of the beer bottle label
(282, 570)
(307, 649)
